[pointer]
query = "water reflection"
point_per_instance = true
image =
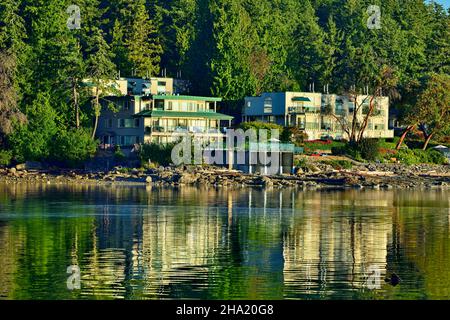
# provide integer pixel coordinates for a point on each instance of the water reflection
(144, 243)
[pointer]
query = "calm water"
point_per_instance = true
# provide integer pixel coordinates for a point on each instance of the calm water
(138, 243)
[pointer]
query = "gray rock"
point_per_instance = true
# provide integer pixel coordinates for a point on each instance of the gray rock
(266, 181)
(33, 165)
(186, 178)
(21, 166)
(313, 168)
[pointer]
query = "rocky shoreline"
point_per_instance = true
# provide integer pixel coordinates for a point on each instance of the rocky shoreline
(315, 176)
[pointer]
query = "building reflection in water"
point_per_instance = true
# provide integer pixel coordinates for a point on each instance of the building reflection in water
(200, 243)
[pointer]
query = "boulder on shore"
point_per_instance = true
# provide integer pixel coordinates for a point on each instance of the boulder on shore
(187, 178)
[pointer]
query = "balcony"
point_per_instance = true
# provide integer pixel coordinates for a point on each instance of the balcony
(181, 129)
(303, 109)
(375, 112)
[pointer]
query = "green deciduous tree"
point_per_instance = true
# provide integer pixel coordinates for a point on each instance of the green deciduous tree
(72, 147)
(433, 107)
(32, 141)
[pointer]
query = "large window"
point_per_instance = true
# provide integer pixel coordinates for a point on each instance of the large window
(128, 123)
(268, 105)
(127, 140)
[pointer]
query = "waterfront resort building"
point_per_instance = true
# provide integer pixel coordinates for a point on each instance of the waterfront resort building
(312, 112)
(152, 110)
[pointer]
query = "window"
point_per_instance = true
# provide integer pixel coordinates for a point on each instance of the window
(127, 140)
(161, 87)
(128, 123)
(126, 105)
(268, 105)
(170, 106)
(249, 104)
(109, 123)
(312, 125)
(327, 126)
(339, 110)
(159, 104)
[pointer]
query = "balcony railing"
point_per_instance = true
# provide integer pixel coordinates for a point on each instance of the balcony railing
(181, 129)
(303, 109)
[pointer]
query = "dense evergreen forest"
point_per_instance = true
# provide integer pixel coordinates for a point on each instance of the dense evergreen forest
(226, 48)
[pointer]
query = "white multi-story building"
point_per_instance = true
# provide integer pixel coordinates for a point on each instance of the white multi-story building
(317, 113)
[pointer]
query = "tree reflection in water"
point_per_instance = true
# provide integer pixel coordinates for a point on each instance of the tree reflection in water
(137, 242)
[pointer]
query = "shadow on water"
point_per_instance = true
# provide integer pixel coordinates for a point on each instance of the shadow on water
(153, 243)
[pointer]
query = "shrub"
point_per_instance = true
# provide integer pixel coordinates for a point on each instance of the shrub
(340, 164)
(119, 156)
(347, 150)
(416, 156)
(301, 163)
(5, 157)
(312, 146)
(157, 153)
(368, 149)
(293, 135)
(339, 150)
(436, 157)
(262, 125)
(73, 147)
(124, 170)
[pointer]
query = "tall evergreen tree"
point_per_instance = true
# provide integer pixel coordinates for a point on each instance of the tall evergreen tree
(229, 64)
(135, 39)
(175, 19)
